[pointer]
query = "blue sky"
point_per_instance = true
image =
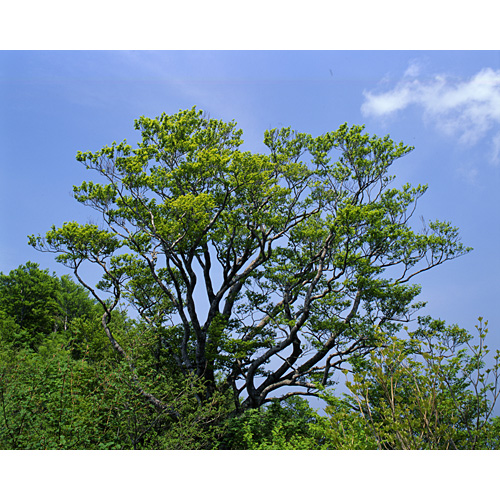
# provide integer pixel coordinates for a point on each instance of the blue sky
(446, 104)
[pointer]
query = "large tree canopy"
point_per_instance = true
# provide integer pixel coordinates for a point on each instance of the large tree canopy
(257, 272)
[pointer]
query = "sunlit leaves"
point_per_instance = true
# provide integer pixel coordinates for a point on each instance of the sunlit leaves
(428, 391)
(78, 242)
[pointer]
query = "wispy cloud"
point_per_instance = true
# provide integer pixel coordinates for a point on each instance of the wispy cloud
(467, 109)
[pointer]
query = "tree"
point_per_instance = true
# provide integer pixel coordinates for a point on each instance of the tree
(28, 305)
(256, 272)
(36, 305)
(428, 391)
(73, 301)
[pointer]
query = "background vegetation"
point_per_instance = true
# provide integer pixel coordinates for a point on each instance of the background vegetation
(63, 387)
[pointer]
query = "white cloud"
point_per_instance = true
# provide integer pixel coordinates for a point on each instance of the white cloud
(468, 109)
(413, 69)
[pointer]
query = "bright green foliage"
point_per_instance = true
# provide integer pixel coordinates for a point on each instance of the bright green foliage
(36, 306)
(257, 271)
(343, 427)
(430, 391)
(278, 426)
(62, 386)
(73, 302)
(52, 401)
(28, 298)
